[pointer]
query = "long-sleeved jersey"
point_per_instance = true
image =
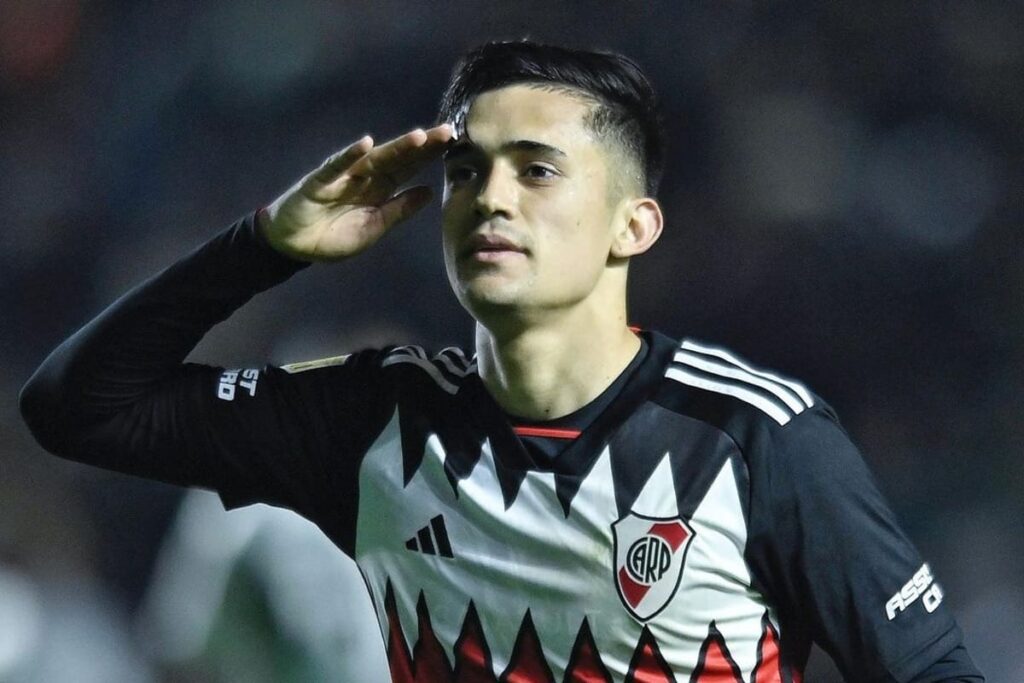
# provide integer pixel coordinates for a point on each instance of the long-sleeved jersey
(708, 525)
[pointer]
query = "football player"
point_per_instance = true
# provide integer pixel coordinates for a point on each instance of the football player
(572, 499)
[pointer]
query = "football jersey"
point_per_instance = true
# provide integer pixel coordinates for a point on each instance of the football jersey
(709, 524)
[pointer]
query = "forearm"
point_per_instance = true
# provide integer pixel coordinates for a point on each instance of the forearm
(144, 336)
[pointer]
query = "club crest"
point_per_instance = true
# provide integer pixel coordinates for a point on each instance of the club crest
(649, 557)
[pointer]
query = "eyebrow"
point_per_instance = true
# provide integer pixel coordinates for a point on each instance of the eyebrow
(465, 147)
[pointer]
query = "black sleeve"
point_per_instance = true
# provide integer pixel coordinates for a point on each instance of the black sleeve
(953, 668)
(118, 395)
(828, 550)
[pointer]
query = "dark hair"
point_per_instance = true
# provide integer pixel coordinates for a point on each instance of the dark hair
(626, 106)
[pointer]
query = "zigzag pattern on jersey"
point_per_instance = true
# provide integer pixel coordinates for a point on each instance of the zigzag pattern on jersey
(444, 414)
(447, 367)
(719, 371)
(428, 662)
(632, 459)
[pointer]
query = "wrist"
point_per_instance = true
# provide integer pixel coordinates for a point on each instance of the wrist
(263, 224)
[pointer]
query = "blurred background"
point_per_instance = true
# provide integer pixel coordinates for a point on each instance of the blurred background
(843, 197)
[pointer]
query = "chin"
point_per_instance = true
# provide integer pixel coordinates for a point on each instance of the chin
(491, 297)
(486, 299)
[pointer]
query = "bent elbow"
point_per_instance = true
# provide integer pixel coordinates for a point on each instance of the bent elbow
(44, 411)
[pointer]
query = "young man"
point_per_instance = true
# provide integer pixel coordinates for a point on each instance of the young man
(577, 501)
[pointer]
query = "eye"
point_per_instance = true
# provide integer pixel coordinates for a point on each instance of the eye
(461, 174)
(539, 172)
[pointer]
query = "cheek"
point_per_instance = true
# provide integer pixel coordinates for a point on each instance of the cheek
(582, 235)
(450, 220)
(576, 260)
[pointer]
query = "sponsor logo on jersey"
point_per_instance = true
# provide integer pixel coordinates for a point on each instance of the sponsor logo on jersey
(432, 539)
(921, 585)
(649, 557)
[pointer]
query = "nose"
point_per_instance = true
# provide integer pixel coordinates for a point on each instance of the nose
(497, 194)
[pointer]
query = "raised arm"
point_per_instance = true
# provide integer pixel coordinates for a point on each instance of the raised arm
(117, 393)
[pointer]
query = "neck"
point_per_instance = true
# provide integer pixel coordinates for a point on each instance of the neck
(548, 369)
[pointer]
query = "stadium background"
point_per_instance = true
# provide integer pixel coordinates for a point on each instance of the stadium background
(843, 196)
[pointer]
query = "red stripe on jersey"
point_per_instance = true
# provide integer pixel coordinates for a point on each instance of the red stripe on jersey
(549, 432)
(399, 657)
(633, 591)
(428, 656)
(768, 668)
(674, 533)
(715, 663)
(585, 665)
(472, 656)
(427, 663)
(527, 664)
(648, 666)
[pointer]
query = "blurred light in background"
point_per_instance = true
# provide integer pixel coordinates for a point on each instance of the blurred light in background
(35, 39)
(928, 181)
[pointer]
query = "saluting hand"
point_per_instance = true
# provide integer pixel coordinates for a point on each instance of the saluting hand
(346, 204)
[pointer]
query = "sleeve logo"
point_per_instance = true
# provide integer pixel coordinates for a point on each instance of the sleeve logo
(240, 379)
(921, 585)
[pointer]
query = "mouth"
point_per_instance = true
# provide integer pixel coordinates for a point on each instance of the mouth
(490, 247)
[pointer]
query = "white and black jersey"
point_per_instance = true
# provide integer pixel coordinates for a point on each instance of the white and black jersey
(709, 523)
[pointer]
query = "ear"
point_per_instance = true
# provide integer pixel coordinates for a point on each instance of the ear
(639, 227)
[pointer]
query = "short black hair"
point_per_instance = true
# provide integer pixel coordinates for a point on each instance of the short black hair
(626, 111)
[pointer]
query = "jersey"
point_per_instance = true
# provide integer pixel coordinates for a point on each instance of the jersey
(708, 525)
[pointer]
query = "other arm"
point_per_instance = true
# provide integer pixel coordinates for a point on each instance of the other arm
(827, 546)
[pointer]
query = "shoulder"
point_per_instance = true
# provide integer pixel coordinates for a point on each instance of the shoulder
(714, 383)
(381, 376)
(446, 369)
(790, 440)
(759, 408)
(714, 373)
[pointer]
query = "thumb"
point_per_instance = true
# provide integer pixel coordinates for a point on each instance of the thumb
(404, 204)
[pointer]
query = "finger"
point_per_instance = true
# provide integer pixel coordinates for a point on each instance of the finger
(414, 162)
(406, 152)
(441, 133)
(404, 204)
(391, 155)
(339, 162)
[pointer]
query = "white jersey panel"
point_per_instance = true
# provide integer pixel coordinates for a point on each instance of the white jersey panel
(530, 555)
(715, 584)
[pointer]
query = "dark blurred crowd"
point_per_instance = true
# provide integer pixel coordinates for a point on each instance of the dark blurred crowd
(843, 197)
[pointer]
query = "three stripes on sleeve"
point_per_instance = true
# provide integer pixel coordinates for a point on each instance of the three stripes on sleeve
(717, 370)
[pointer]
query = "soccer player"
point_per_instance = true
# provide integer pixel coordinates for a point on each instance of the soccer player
(575, 501)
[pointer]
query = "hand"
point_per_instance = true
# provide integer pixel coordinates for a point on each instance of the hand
(345, 206)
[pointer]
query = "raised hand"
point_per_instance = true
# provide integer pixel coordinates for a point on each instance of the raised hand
(346, 204)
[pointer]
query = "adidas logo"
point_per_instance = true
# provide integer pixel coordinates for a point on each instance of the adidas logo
(432, 539)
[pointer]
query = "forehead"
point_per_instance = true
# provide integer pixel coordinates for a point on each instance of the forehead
(524, 112)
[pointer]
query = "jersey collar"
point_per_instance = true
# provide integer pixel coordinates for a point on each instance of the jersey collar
(513, 461)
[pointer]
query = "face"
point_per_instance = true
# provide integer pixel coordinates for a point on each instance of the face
(527, 218)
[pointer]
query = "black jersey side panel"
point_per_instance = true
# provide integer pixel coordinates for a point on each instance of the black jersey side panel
(824, 540)
(823, 545)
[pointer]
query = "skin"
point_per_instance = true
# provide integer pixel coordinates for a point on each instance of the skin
(537, 237)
